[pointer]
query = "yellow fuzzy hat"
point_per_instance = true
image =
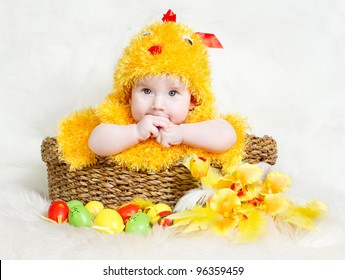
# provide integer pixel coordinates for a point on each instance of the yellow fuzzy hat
(167, 48)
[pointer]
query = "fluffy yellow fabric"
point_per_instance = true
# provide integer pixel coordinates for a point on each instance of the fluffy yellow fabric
(183, 56)
(73, 135)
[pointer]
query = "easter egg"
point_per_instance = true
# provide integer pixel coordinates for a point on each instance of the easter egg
(73, 203)
(128, 210)
(138, 223)
(79, 216)
(109, 221)
(58, 211)
(158, 208)
(94, 207)
(165, 221)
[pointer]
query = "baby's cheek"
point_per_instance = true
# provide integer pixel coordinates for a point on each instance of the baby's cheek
(137, 114)
(179, 117)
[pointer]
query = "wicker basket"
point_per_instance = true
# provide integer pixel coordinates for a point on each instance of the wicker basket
(113, 185)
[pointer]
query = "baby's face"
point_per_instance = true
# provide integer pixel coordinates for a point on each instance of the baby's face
(163, 96)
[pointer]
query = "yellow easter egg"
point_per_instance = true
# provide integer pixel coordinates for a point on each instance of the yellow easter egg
(94, 207)
(151, 212)
(161, 207)
(109, 221)
(154, 210)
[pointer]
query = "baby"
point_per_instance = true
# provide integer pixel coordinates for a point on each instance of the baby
(160, 106)
(161, 110)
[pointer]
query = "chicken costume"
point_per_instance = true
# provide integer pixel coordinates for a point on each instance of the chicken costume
(160, 48)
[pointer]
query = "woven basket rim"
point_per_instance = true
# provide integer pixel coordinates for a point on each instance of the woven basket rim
(263, 147)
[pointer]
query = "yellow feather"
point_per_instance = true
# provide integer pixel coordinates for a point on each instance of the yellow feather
(252, 226)
(142, 203)
(198, 218)
(305, 216)
(211, 179)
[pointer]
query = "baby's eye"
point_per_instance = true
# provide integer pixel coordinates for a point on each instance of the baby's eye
(188, 40)
(147, 91)
(146, 34)
(172, 93)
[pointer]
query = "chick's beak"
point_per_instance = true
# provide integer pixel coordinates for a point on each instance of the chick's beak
(155, 49)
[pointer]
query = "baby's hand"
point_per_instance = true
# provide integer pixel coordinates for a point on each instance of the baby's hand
(170, 136)
(150, 125)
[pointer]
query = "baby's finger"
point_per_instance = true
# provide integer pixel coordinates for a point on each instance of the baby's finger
(161, 122)
(165, 144)
(159, 137)
(154, 131)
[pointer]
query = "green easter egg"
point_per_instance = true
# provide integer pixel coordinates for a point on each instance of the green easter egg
(73, 203)
(79, 216)
(138, 223)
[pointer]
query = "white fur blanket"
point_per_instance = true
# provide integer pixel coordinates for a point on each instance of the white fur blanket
(282, 67)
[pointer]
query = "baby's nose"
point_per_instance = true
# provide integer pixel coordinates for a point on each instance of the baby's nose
(158, 103)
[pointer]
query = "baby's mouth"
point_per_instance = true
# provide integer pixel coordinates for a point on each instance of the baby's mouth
(159, 115)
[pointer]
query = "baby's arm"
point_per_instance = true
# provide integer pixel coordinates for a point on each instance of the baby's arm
(111, 139)
(213, 136)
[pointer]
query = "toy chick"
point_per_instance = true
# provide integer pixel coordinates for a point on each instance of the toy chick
(162, 108)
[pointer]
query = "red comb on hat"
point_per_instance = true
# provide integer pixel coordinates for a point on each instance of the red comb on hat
(169, 16)
(209, 39)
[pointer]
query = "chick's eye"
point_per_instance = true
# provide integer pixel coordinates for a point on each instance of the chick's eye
(172, 93)
(188, 40)
(146, 34)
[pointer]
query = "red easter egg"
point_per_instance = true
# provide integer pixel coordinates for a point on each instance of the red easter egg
(164, 213)
(164, 221)
(58, 211)
(127, 211)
